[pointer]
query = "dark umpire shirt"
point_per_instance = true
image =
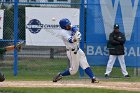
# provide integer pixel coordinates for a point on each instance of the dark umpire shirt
(116, 43)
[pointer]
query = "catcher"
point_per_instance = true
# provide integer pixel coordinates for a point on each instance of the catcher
(5, 49)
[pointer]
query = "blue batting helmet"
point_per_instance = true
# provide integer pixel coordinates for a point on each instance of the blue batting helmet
(64, 22)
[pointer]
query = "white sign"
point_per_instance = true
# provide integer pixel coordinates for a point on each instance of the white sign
(1, 23)
(42, 25)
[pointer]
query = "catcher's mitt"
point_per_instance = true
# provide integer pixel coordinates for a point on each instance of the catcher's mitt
(2, 77)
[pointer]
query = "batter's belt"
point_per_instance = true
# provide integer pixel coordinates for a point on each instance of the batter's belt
(70, 49)
(73, 50)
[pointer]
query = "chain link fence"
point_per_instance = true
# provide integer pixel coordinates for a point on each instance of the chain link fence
(33, 61)
(37, 62)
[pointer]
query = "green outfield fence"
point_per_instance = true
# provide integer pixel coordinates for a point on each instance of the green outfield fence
(34, 61)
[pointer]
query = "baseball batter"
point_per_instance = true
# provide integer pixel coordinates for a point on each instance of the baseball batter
(71, 37)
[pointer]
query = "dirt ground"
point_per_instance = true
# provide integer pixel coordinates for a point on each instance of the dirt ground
(130, 86)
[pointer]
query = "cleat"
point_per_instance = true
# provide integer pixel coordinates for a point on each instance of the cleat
(57, 78)
(127, 76)
(106, 76)
(94, 80)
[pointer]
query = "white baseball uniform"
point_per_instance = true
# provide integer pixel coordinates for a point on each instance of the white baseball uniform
(75, 54)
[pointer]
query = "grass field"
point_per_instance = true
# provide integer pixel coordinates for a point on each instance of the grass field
(45, 69)
(60, 90)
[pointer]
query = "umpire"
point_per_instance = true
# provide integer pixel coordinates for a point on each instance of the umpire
(116, 49)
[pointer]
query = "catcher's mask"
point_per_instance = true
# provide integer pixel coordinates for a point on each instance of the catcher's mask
(64, 22)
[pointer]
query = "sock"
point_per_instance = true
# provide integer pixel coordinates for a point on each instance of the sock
(89, 73)
(65, 73)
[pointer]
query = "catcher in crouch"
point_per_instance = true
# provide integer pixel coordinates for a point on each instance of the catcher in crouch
(5, 49)
(71, 38)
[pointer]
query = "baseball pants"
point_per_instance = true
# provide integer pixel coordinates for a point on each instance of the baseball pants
(77, 60)
(111, 62)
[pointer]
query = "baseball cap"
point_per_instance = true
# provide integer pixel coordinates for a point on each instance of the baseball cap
(116, 26)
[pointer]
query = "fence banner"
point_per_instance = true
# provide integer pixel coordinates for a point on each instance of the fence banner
(101, 16)
(42, 25)
(1, 23)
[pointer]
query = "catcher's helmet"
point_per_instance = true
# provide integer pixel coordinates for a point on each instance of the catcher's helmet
(116, 26)
(64, 22)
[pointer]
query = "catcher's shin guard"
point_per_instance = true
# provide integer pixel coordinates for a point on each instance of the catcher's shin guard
(57, 78)
(2, 77)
